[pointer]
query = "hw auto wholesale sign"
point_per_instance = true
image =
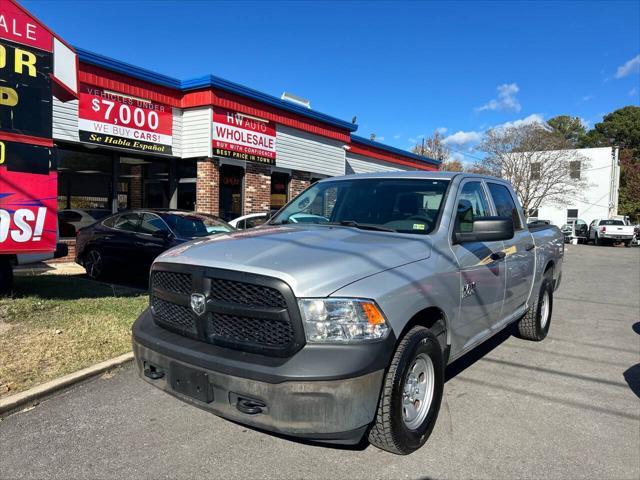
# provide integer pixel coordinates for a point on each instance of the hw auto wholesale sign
(236, 135)
(28, 189)
(118, 120)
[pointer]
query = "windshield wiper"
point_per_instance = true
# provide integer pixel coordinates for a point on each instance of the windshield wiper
(362, 226)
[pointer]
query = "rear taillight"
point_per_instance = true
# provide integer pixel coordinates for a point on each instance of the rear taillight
(604, 229)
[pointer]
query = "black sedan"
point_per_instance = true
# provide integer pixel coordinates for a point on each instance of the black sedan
(129, 241)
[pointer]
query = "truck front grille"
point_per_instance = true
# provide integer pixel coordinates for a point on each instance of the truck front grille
(244, 312)
(225, 329)
(174, 317)
(246, 294)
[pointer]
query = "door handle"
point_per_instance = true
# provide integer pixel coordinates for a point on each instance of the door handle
(498, 256)
(530, 247)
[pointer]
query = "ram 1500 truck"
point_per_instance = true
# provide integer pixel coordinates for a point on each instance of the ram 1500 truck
(335, 320)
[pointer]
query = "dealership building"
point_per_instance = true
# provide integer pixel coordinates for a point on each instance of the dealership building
(136, 138)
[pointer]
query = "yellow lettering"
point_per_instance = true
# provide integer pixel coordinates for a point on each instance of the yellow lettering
(3, 56)
(1, 153)
(25, 59)
(8, 97)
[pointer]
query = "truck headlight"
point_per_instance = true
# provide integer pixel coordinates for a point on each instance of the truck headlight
(342, 320)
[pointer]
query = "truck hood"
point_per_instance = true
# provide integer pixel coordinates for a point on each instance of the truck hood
(314, 260)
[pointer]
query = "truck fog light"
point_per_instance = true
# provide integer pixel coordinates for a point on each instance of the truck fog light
(342, 320)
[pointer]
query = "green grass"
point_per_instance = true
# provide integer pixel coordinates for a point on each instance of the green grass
(57, 324)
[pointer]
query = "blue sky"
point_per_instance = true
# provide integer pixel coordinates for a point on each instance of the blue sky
(404, 68)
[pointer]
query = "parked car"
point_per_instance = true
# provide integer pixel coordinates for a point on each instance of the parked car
(249, 221)
(575, 229)
(341, 329)
(610, 231)
(71, 220)
(131, 240)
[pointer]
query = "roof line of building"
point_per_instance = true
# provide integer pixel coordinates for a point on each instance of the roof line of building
(206, 81)
(212, 81)
(389, 148)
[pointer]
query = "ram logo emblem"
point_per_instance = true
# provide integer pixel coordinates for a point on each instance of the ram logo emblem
(468, 289)
(198, 303)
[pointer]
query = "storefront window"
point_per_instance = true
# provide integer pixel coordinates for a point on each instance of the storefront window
(231, 179)
(84, 189)
(187, 178)
(279, 187)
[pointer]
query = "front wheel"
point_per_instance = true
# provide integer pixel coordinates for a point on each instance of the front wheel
(94, 264)
(411, 394)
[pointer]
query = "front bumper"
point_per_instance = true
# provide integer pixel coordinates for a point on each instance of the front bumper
(323, 392)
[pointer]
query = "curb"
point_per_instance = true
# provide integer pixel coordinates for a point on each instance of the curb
(13, 402)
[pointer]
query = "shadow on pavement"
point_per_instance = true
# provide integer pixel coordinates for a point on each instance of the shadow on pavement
(632, 376)
(464, 362)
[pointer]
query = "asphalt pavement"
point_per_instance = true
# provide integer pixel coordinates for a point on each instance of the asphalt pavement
(568, 407)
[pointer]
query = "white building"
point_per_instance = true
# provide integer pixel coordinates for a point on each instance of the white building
(599, 199)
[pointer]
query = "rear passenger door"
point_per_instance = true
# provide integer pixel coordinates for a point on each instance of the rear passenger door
(519, 252)
(482, 275)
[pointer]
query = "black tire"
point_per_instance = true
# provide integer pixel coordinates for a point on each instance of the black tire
(6, 277)
(389, 430)
(94, 264)
(531, 326)
(627, 243)
(597, 240)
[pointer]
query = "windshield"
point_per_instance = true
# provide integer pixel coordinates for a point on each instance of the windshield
(195, 225)
(389, 204)
(611, 222)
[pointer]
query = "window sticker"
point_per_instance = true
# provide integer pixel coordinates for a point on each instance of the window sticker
(418, 226)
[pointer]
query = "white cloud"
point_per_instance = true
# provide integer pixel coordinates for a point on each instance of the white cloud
(463, 138)
(531, 119)
(632, 66)
(633, 92)
(380, 138)
(412, 140)
(397, 136)
(586, 98)
(442, 130)
(585, 123)
(506, 99)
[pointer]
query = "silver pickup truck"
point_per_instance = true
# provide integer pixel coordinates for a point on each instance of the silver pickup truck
(335, 320)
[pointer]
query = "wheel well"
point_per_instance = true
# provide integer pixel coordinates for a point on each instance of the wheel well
(549, 266)
(432, 318)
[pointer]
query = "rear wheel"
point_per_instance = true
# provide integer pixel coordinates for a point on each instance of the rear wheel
(627, 243)
(94, 264)
(411, 394)
(597, 241)
(535, 323)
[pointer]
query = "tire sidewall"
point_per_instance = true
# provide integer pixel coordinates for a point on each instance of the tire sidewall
(421, 342)
(102, 270)
(547, 285)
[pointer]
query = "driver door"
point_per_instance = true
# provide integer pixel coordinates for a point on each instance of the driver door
(482, 272)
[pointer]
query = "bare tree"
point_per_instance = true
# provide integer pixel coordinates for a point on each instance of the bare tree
(541, 166)
(433, 147)
(452, 166)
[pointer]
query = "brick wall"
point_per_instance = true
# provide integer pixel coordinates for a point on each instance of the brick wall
(207, 193)
(257, 188)
(135, 194)
(299, 181)
(71, 257)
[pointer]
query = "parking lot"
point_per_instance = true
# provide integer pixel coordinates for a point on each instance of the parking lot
(568, 407)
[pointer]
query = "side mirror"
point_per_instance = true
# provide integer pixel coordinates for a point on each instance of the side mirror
(487, 229)
(162, 234)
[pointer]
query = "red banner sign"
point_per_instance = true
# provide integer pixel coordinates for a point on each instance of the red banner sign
(19, 27)
(27, 222)
(243, 137)
(118, 120)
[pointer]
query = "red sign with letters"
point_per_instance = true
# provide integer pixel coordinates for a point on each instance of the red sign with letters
(28, 222)
(19, 27)
(243, 137)
(118, 120)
